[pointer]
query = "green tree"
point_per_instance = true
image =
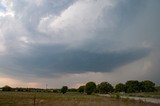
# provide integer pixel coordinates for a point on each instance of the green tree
(64, 89)
(133, 86)
(90, 88)
(157, 88)
(72, 90)
(81, 89)
(147, 86)
(120, 87)
(105, 87)
(6, 88)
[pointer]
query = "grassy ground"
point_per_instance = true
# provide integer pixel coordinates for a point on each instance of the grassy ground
(145, 94)
(69, 99)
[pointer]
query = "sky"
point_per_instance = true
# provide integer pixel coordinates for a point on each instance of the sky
(71, 42)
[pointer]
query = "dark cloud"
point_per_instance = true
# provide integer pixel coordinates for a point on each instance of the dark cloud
(48, 37)
(49, 59)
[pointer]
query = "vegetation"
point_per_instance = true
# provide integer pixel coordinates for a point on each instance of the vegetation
(64, 89)
(120, 88)
(72, 90)
(81, 89)
(132, 86)
(157, 88)
(105, 88)
(90, 88)
(42, 97)
(6, 88)
(144, 94)
(58, 99)
(147, 86)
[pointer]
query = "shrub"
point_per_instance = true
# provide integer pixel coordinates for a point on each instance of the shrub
(133, 86)
(120, 87)
(105, 87)
(81, 89)
(90, 88)
(64, 89)
(147, 86)
(6, 88)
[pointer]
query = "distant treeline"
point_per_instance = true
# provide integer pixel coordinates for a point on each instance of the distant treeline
(131, 86)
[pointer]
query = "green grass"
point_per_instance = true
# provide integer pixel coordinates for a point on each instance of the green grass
(145, 94)
(57, 99)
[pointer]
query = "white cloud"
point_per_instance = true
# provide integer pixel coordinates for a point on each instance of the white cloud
(79, 22)
(2, 43)
(8, 8)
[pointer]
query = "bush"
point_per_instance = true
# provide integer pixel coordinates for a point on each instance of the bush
(120, 87)
(64, 89)
(133, 86)
(157, 88)
(6, 88)
(72, 90)
(105, 87)
(81, 89)
(147, 86)
(117, 96)
(90, 88)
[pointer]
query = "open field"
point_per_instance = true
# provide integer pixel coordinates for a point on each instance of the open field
(57, 99)
(145, 94)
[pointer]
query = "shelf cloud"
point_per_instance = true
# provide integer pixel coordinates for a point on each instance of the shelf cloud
(50, 39)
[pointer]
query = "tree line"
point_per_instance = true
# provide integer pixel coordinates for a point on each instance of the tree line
(131, 86)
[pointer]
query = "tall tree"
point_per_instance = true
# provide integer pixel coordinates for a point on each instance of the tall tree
(147, 86)
(64, 89)
(120, 87)
(132, 86)
(81, 89)
(105, 87)
(90, 88)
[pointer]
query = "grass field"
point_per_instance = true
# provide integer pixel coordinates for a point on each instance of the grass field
(145, 94)
(57, 99)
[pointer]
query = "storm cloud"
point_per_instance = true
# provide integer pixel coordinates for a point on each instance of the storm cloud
(44, 38)
(46, 59)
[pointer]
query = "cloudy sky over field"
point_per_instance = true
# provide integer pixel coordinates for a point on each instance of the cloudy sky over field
(71, 42)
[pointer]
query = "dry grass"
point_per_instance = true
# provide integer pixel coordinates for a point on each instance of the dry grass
(56, 99)
(145, 94)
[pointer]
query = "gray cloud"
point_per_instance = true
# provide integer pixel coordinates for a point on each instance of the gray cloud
(51, 59)
(30, 12)
(46, 38)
